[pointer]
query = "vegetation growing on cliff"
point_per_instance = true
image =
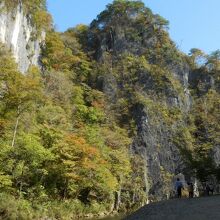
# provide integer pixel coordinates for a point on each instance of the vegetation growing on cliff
(36, 10)
(57, 139)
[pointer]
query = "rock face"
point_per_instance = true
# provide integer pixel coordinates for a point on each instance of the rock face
(19, 35)
(162, 158)
(203, 82)
(154, 141)
(154, 138)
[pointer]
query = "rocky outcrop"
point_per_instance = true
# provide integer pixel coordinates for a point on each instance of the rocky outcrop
(19, 35)
(201, 81)
(163, 159)
(154, 138)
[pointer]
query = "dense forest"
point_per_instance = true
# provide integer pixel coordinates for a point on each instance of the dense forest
(71, 129)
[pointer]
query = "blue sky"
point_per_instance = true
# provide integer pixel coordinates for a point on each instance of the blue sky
(193, 23)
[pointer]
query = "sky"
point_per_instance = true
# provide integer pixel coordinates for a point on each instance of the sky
(193, 23)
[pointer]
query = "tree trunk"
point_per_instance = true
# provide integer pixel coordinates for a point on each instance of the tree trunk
(117, 199)
(15, 129)
(20, 189)
(21, 182)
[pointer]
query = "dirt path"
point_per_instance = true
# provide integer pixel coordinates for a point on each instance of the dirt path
(204, 208)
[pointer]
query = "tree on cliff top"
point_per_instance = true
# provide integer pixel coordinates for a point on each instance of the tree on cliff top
(124, 22)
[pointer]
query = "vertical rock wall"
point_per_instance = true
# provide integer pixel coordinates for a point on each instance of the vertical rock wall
(19, 35)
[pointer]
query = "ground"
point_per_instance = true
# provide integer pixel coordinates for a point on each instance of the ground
(203, 208)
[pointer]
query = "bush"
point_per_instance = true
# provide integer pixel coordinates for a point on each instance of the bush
(13, 209)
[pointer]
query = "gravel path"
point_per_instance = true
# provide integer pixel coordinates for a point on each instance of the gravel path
(204, 208)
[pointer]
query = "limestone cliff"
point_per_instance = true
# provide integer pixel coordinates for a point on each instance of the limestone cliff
(17, 32)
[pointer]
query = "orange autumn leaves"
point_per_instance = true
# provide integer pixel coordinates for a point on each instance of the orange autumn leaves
(87, 155)
(76, 152)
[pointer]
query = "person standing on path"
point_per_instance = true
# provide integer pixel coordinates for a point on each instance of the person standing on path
(190, 190)
(207, 189)
(211, 188)
(178, 188)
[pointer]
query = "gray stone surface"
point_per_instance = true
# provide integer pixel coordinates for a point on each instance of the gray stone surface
(19, 35)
